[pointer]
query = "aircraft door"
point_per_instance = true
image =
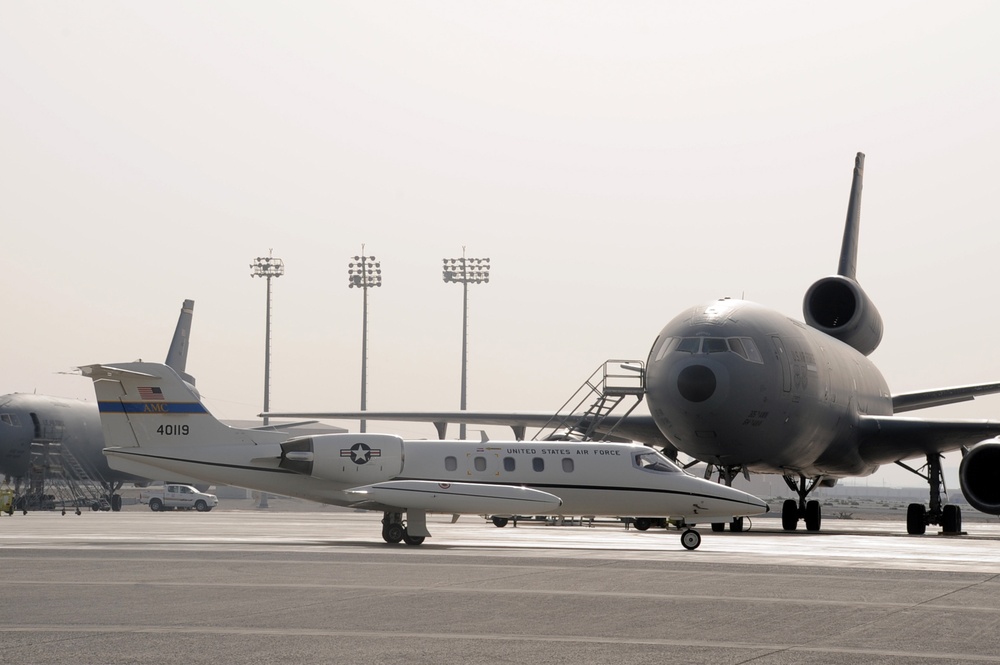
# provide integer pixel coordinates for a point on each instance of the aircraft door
(782, 356)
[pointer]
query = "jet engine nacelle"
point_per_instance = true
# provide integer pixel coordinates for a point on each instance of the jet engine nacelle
(352, 459)
(979, 475)
(839, 307)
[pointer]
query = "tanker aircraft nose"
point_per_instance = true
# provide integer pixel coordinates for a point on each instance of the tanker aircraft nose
(696, 383)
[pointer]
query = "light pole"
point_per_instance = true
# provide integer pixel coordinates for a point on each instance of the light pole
(466, 271)
(267, 267)
(364, 272)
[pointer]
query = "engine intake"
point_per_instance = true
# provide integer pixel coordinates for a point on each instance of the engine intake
(839, 307)
(353, 459)
(979, 475)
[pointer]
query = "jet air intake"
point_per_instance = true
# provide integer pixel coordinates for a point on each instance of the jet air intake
(354, 459)
(979, 475)
(839, 307)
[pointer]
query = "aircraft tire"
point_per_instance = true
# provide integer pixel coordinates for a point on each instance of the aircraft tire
(690, 539)
(789, 515)
(412, 540)
(95, 506)
(155, 505)
(952, 519)
(393, 533)
(916, 519)
(116, 502)
(736, 526)
(499, 522)
(718, 527)
(814, 516)
(643, 523)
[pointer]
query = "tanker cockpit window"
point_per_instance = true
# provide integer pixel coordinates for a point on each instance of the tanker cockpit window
(714, 345)
(10, 419)
(689, 344)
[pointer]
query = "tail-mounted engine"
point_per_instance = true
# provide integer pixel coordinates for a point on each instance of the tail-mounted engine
(839, 307)
(353, 459)
(979, 475)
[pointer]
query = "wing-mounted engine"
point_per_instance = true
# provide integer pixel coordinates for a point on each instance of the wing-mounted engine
(839, 307)
(979, 475)
(352, 459)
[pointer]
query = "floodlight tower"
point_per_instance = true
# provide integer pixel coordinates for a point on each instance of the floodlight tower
(364, 272)
(466, 271)
(267, 267)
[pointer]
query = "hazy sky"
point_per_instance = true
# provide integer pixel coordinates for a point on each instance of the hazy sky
(617, 161)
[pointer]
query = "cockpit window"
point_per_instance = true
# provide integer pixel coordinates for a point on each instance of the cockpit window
(654, 461)
(10, 419)
(689, 345)
(744, 347)
(714, 345)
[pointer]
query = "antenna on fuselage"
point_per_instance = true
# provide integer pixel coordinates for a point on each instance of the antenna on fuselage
(849, 249)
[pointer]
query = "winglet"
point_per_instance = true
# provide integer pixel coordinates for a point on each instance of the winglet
(849, 249)
(178, 353)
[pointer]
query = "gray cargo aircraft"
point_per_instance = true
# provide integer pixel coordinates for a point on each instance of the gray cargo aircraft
(747, 389)
(75, 424)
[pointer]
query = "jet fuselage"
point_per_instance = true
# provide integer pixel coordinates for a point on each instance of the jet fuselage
(737, 384)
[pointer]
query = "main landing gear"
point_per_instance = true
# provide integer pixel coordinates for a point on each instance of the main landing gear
(393, 530)
(113, 498)
(918, 516)
(792, 510)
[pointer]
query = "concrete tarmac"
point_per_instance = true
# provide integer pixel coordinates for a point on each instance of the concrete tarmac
(243, 586)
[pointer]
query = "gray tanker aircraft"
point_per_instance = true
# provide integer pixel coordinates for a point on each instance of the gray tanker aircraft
(747, 389)
(155, 424)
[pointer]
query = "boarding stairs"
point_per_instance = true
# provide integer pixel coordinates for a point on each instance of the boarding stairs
(611, 384)
(58, 480)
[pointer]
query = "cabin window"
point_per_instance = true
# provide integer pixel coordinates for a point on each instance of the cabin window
(480, 463)
(538, 464)
(567, 464)
(450, 463)
(508, 463)
(654, 461)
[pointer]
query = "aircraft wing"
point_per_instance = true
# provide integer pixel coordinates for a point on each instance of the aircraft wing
(888, 439)
(631, 428)
(941, 396)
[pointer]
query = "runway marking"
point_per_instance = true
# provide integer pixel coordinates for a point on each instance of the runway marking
(404, 590)
(498, 637)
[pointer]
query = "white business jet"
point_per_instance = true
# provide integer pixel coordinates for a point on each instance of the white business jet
(153, 422)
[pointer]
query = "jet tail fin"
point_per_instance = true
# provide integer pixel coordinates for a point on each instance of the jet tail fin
(178, 352)
(849, 249)
(150, 405)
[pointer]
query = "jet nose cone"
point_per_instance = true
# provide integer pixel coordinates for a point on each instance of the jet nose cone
(696, 383)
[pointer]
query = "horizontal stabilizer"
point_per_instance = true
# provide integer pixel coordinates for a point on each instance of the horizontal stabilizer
(468, 498)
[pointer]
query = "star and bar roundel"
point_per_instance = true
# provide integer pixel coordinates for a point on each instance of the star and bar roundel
(361, 453)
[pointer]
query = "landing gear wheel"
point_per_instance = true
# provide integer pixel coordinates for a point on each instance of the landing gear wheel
(412, 540)
(95, 506)
(916, 519)
(952, 519)
(690, 539)
(789, 515)
(643, 523)
(499, 522)
(814, 515)
(393, 533)
(116, 502)
(736, 526)
(718, 527)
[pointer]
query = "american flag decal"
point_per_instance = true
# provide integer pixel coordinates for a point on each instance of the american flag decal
(150, 394)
